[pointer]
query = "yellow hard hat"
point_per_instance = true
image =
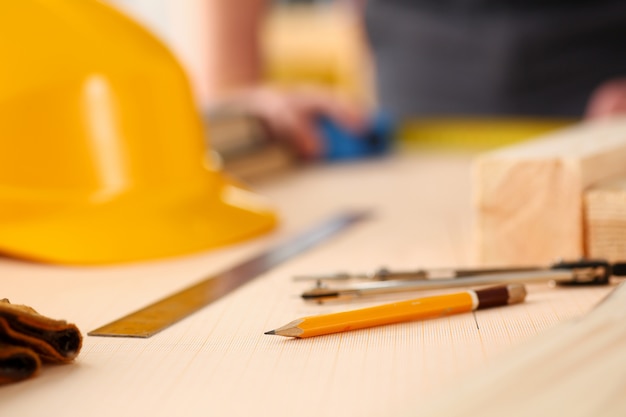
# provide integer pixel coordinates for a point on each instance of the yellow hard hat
(102, 155)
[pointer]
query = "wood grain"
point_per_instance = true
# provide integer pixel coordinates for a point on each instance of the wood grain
(528, 198)
(605, 220)
(574, 370)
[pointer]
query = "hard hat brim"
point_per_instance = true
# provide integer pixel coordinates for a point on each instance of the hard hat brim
(131, 226)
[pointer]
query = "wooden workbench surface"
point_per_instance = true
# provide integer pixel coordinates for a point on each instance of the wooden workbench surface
(218, 362)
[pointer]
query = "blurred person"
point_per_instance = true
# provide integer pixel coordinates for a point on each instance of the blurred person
(220, 45)
(236, 80)
(442, 58)
(450, 58)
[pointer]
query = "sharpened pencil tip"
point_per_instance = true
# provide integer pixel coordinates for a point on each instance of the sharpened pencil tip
(270, 332)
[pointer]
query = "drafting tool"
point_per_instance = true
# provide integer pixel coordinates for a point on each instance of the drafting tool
(163, 313)
(417, 309)
(384, 274)
(583, 272)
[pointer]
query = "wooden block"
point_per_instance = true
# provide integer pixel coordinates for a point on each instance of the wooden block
(528, 198)
(605, 220)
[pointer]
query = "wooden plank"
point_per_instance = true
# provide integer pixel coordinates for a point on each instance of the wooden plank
(528, 198)
(605, 220)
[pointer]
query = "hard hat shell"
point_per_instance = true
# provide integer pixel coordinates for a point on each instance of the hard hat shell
(102, 154)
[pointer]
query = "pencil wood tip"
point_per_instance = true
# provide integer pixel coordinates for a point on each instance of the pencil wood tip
(270, 332)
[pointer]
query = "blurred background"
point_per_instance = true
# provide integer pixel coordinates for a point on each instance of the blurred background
(325, 43)
(317, 42)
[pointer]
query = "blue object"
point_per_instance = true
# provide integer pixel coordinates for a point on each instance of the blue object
(341, 144)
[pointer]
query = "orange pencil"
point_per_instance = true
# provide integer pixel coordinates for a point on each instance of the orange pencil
(416, 309)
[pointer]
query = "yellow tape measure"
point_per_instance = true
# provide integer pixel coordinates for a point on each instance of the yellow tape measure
(163, 313)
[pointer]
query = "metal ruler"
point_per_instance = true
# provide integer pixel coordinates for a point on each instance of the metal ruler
(167, 311)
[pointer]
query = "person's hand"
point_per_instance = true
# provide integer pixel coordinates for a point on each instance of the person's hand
(290, 115)
(607, 100)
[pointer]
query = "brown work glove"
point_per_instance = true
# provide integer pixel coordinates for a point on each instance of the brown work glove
(26, 336)
(17, 363)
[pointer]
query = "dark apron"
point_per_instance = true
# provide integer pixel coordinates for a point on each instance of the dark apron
(481, 57)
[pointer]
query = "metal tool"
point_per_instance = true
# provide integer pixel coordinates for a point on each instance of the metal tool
(342, 144)
(583, 272)
(384, 274)
(163, 313)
